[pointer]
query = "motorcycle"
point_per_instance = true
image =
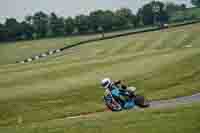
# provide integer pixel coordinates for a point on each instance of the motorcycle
(128, 101)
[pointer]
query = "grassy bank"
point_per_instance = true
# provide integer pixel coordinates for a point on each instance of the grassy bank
(182, 119)
(161, 64)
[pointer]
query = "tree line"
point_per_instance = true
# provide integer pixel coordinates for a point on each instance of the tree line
(196, 2)
(41, 25)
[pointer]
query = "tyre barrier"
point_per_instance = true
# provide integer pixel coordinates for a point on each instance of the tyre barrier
(50, 52)
(107, 38)
(58, 50)
(188, 46)
(37, 57)
(29, 59)
(44, 55)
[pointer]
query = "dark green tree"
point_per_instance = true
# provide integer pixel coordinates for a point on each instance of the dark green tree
(195, 2)
(103, 20)
(3, 33)
(13, 29)
(82, 23)
(40, 24)
(96, 20)
(153, 12)
(183, 6)
(29, 19)
(123, 17)
(107, 21)
(69, 26)
(56, 25)
(146, 14)
(172, 7)
(27, 30)
(133, 20)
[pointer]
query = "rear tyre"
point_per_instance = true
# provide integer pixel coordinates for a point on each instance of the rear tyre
(141, 102)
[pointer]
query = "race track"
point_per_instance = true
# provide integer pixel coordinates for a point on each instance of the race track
(153, 104)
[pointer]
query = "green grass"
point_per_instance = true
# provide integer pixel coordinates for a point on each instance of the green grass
(162, 64)
(18, 51)
(21, 50)
(182, 119)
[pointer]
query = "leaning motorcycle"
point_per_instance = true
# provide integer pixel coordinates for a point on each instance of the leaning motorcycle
(130, 100)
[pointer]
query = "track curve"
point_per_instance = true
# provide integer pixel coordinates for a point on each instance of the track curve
(153, 104)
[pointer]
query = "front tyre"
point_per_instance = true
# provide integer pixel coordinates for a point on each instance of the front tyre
(114, 107)
(111, 104)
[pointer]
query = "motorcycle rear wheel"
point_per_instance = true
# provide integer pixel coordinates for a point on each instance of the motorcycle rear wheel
(141, 101)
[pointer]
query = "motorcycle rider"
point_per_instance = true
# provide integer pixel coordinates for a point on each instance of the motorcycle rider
(118, 90)
(121, 93)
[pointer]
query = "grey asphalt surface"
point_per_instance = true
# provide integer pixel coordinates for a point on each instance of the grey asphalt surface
(155, 104)
(175, 101)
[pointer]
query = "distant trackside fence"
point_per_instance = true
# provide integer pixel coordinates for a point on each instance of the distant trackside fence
(45, 54)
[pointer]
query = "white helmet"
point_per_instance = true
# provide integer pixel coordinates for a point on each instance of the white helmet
(106, 82)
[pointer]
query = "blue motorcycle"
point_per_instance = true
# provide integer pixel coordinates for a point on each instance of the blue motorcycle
(119, 99)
